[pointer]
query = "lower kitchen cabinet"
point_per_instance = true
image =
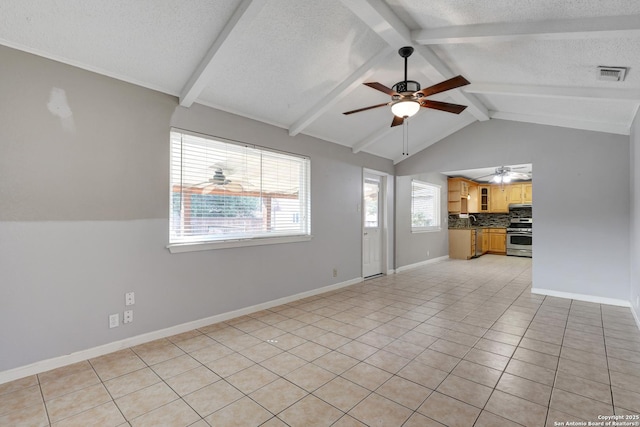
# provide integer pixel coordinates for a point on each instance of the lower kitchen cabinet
(485, 240)
(462, 243)
(498, 240)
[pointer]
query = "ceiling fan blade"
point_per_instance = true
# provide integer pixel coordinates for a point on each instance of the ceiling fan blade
(365, 108)
(484, 176)
(397, 121)
(381, 88)
(443, 106)
(444, 86)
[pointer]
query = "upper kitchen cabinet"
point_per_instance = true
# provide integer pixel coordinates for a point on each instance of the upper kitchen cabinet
(527, 193)
(519, 193)
(514, 193)
(459, 197)
(474, 198)
(499, 198)
(466, 196)
(483, 199)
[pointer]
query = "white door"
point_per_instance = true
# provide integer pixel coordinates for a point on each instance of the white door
(372, 235)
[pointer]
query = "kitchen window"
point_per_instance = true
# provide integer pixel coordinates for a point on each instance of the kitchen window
(425, 206)
(227, 194)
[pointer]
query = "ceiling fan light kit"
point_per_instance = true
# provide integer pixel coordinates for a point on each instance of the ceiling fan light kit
(405, 108)
(407, 98)
(502, 179)
(506, 174)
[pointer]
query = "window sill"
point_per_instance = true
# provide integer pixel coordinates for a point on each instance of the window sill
(226, 244)
(426, 230)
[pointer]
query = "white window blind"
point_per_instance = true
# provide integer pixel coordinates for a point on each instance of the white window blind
(425, 206)
(223, 190)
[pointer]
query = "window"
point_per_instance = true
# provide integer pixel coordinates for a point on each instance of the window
(226, 194)
(425, 206)
(371, 203)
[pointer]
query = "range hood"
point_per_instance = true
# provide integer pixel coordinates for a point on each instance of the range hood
(520, 205)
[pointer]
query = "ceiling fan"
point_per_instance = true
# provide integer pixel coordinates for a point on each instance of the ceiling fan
(218, 178)
(505, 174)
(220, 181)
(407, 98)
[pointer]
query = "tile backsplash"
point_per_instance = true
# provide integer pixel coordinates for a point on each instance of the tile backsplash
(489, 220)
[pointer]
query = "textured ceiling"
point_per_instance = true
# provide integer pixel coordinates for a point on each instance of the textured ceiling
(299, 65)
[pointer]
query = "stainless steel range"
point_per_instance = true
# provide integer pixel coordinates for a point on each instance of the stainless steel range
(519, 237)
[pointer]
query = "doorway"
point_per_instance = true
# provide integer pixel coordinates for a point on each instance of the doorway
(374, 226)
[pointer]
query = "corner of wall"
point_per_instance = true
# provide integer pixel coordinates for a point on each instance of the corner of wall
(635, 310)
(634, 273)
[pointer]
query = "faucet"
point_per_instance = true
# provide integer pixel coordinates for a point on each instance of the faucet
(474, 218)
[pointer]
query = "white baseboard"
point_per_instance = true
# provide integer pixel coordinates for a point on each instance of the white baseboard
(582, 297)
(421, 263)
(79, 356)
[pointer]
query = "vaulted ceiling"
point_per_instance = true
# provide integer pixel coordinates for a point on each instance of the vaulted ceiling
(300, 64)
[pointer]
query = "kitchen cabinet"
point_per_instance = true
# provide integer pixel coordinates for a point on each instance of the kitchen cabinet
(483, 199)
(485, 240)
(474, 203)
(498, 199)
(498, 240)
(514, 193)
(527, 193)
(462, 243)
(466, 196)
(519, 193)
(458, 195)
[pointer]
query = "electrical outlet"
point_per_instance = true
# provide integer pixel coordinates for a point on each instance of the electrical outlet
(128, 316)
(428, 253)
(114, 320)
(335, 272)
(129, 298)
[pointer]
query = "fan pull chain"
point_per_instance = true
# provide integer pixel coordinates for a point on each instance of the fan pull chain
(405, 136)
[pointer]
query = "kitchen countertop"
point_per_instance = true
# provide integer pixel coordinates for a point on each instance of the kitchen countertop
(474, 228)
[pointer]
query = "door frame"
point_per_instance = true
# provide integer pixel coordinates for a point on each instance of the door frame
(384, 219)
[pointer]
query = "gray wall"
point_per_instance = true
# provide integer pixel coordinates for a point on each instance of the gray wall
(581, 205)
(635, 217)
(412, 248)
(84, 185)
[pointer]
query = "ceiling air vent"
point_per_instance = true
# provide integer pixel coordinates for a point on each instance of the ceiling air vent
(611, 74)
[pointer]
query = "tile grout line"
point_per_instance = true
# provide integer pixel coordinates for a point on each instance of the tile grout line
(107, 390)
(606, 355)
(555, 377)
(44, 402)
(510, 357)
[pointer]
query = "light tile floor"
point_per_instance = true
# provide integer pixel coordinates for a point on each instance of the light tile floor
(456, 343)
